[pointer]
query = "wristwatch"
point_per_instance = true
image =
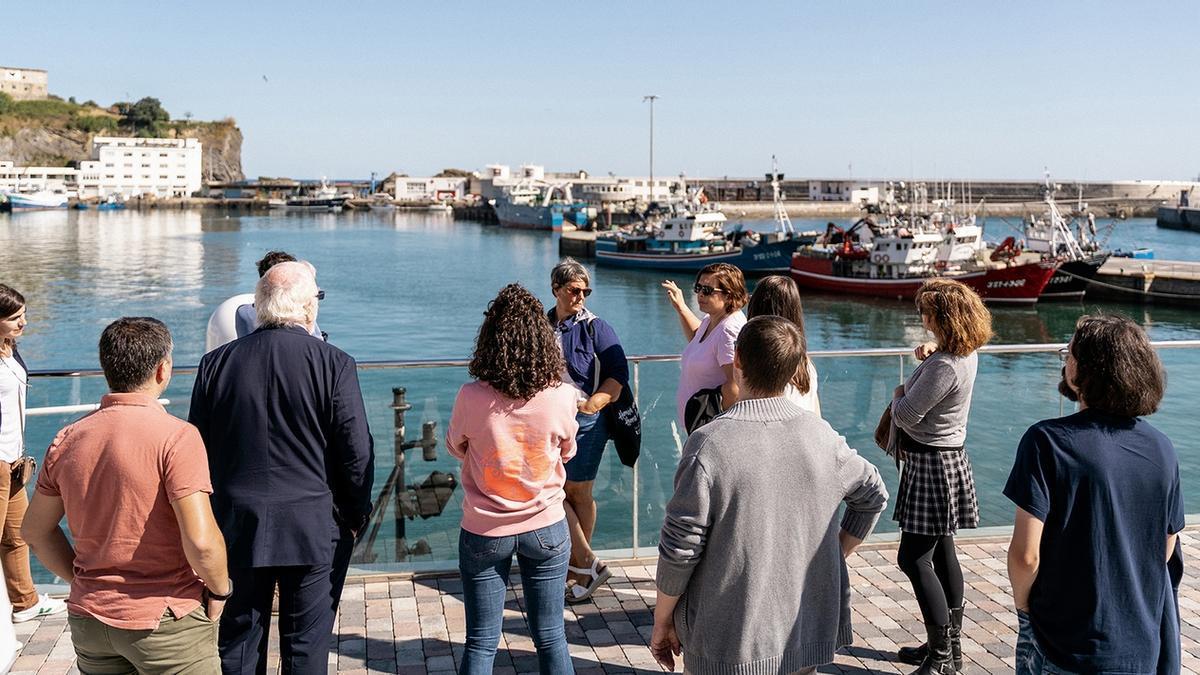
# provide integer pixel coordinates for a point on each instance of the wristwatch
(209, 595)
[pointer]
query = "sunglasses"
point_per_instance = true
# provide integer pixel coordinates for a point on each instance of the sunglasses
(706, 291)
(585, 292)
(320, 295)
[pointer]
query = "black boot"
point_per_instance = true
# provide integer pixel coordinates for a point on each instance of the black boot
(915, 656)
(956, 619)
(938, 659)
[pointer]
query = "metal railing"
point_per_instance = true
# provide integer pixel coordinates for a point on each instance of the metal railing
(636, 361)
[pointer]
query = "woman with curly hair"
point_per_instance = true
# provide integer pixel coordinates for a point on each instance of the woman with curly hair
(937, 490)
(514, 428)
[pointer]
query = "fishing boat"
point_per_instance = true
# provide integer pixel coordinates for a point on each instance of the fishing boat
(893, 258)
(325, 199)
(381, 202)
(537, 205)
(695, 234)
(42, 200)
(1051, 237)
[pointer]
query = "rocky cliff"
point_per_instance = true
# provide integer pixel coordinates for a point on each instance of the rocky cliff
(47, 144)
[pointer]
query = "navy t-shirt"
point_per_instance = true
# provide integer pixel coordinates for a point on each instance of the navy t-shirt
(1107, 490)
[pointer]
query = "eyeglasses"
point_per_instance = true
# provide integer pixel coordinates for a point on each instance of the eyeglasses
(585, 292)
(701, 289)
(1064, 352)
(320, 295)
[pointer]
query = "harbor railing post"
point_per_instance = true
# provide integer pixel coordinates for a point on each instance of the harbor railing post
(400, 406)
(636, 372)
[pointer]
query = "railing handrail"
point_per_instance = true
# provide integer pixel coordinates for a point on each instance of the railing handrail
(412, 364)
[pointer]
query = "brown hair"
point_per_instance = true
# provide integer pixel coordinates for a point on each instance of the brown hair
(273, 258)
(515, 351)
(770, 349)
(1117, 371)
(961, 322)
(777, 295)
(730, 279)
(131, 349)
(11, 302)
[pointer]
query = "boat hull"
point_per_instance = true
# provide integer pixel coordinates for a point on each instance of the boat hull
(768, 258)
(1072, 278)
(18, 202)
(528, 216)
(1020, 284)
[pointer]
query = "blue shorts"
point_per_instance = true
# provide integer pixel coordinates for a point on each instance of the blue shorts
(589, 447)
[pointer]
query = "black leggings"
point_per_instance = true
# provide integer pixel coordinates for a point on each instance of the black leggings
(931, 564)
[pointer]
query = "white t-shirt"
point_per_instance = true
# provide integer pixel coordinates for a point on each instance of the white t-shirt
(808, 401)
(701, 365)
(13, 379)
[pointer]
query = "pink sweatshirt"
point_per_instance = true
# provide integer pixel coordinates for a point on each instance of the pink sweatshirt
(513, 453)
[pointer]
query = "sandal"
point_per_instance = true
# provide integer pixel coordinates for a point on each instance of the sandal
(577, 593)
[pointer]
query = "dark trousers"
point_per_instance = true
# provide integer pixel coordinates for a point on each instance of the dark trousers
(308, 602)
(931, 564)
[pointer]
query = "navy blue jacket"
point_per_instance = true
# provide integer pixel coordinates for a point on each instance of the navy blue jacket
(289, 449)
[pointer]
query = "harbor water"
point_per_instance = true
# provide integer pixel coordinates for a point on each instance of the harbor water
(406, 286)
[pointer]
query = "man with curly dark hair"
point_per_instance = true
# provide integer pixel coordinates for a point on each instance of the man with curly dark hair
(514, 428)
(1099, 509)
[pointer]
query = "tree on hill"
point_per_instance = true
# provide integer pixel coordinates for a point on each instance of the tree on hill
(453, 173)
(144, 117)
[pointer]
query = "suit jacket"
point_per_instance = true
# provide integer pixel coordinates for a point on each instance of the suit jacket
(289, 449)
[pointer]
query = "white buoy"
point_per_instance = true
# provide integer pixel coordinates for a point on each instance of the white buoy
(222, 325)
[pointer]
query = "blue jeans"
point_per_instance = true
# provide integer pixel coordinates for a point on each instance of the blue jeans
(1030, 660)
(484, 563)
(590, 441)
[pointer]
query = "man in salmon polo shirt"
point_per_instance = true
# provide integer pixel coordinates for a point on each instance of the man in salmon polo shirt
(147, 567)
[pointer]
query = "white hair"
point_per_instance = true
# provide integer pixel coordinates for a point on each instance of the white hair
(287, 295)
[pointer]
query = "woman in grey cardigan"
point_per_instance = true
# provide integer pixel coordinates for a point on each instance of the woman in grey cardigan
(937, 491)
(751, 571)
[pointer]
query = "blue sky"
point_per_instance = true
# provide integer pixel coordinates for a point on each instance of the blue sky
(1094, 90)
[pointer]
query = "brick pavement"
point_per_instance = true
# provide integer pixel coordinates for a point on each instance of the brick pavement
(417, 624)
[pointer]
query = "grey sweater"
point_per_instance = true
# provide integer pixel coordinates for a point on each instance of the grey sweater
(750, 539)
(936, 400)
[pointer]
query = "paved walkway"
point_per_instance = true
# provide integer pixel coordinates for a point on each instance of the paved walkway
(416, 625)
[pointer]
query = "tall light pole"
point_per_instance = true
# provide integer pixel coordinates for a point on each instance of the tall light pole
(651, 98)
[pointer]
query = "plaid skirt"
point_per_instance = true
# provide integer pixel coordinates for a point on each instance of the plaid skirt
(937, 494)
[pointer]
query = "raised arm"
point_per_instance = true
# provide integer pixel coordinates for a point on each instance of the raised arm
(688, 321)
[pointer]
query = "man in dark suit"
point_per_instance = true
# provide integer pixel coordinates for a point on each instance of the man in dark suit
(292, 463)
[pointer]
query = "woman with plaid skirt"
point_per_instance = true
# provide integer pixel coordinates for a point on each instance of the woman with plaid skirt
(937, 490)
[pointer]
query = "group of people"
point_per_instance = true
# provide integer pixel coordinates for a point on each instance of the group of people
(185, 534)
(181, 532)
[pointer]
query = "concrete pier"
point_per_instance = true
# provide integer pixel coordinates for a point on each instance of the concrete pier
(1169, 282)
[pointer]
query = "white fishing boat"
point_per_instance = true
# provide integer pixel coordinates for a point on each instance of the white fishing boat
(42, 200)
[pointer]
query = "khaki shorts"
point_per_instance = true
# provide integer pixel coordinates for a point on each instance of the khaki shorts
(185, 645)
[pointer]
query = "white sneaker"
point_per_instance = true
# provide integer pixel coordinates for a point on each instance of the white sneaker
(46, 606)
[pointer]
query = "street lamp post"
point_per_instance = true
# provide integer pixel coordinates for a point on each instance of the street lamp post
(651, 98)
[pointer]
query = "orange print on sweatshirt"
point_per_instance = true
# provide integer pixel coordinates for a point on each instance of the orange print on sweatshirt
(518, 468)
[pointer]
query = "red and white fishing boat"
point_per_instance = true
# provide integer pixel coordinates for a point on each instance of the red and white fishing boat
(892, 260)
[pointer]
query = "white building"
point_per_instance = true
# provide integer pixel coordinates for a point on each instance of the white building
(24, 84)
(34, 178)
(129, 167)
(431, 189)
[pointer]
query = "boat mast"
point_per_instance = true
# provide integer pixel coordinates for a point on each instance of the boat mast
(781, 216)
(651, 98)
